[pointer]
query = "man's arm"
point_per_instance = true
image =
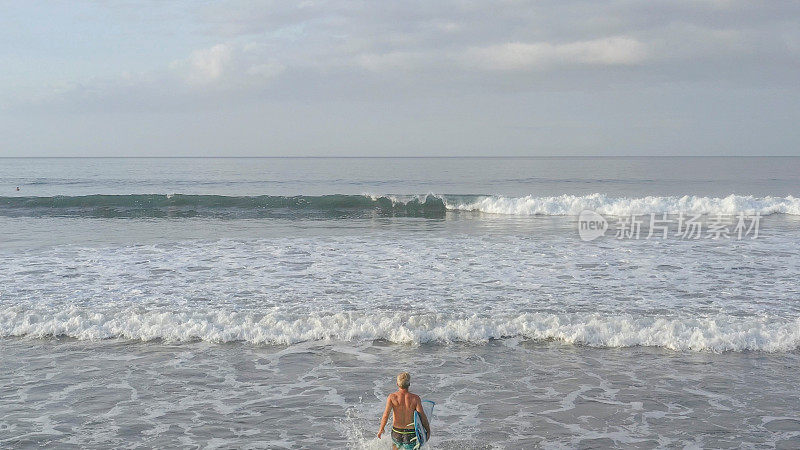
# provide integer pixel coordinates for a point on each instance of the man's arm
(385, 417)
(423, 416)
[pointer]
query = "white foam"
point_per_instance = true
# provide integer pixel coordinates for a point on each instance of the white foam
(714, 333)
(569, 205)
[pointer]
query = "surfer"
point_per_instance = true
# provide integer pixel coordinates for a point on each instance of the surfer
(402, 404)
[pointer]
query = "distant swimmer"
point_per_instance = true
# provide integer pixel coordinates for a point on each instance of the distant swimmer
(17, 188)
(403, 404)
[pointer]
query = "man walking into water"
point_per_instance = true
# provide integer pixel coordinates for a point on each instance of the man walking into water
(402, 404)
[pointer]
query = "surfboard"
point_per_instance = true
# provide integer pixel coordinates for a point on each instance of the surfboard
(422, 436)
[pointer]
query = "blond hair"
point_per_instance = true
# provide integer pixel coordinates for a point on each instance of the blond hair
(404, 380)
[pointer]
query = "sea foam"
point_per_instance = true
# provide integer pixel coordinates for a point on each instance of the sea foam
(713, 333)
(572, 205)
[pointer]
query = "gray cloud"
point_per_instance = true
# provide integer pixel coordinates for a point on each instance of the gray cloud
(665, 57)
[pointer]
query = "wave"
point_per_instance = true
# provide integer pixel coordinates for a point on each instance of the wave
(185, 205)
(714, 333)
(429, 205)
(572, 205)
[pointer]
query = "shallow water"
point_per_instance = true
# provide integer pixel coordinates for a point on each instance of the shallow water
(502, 394)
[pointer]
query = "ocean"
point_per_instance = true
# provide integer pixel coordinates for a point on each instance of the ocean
(269, 302)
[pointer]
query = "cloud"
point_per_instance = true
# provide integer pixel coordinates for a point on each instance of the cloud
(204, 66)
(259, 50)
(226, 66)
(545, 55)
(223, 73)
(396, 76)
(393, 61)
(265, 70)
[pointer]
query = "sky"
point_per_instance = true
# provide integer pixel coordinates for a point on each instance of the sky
(399, 78)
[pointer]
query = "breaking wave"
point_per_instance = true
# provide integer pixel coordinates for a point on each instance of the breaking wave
(339, 205)
(572, 205)
(714, 333)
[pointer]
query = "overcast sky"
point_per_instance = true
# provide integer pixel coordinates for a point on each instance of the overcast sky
(385, 78)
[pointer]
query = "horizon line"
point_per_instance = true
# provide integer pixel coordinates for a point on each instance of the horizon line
(402, 157)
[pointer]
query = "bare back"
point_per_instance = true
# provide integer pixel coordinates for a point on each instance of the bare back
(403, 404)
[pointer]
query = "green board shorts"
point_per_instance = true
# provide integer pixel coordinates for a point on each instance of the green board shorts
(404, 438)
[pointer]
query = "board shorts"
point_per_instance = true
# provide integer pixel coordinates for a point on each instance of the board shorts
(404, 438)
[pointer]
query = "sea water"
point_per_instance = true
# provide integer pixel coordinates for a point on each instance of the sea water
(270, 302)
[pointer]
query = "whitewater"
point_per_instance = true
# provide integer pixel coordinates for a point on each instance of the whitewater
(688, 333)
(289, 290)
